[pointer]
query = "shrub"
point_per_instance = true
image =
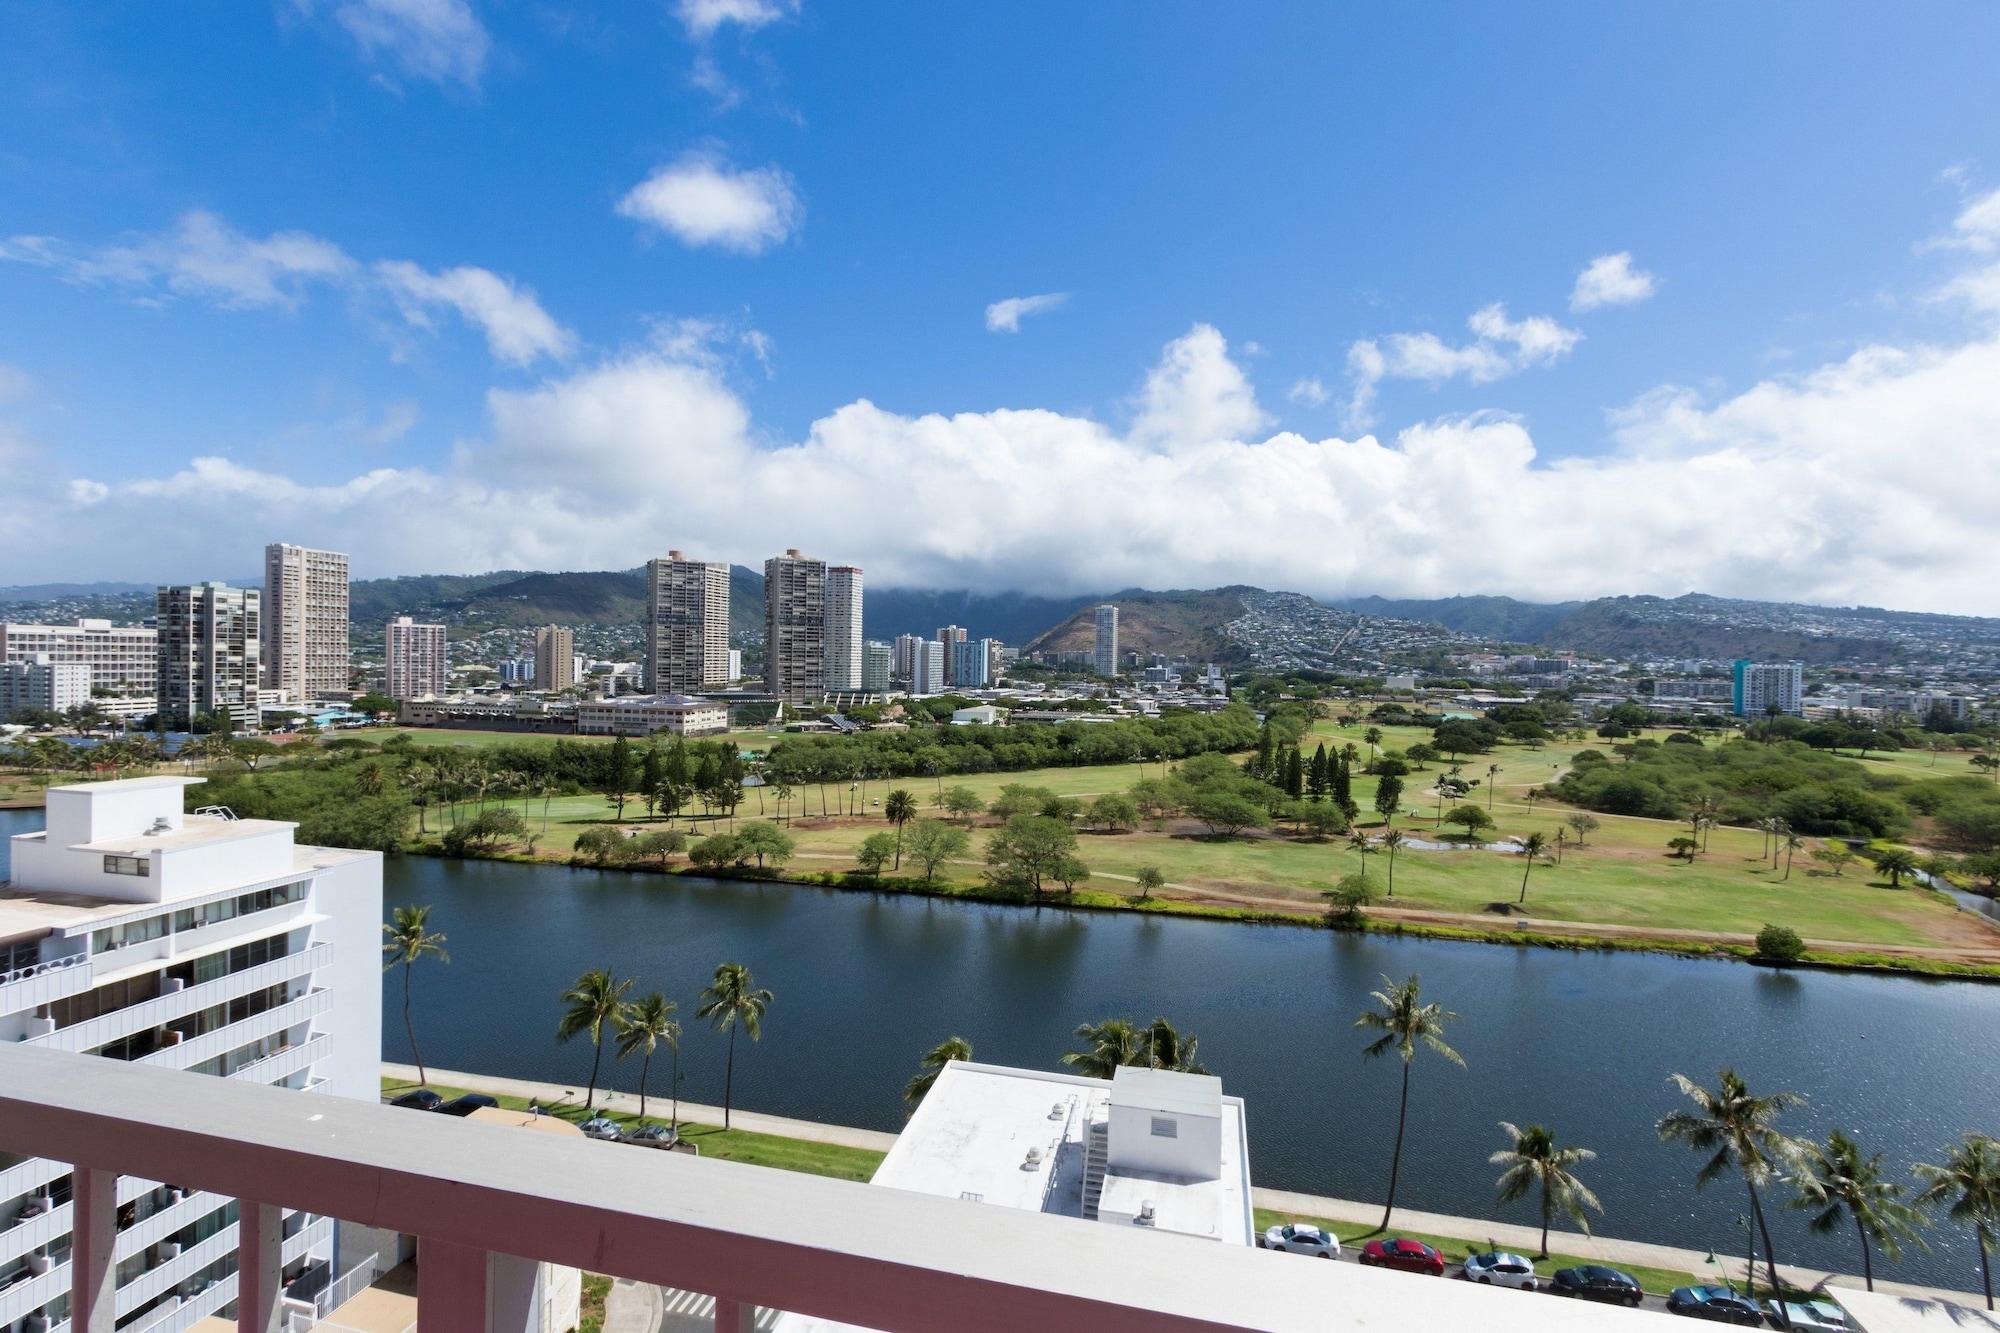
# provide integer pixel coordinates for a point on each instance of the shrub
(1779, 944)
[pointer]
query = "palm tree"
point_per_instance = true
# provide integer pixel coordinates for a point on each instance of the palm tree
(1968, 1184)
(1374, 738)
(1492, 783)
(1390, 842)
(1532, 847)
(1792, 843)
(1112, 1043)
(1363, 848)
(1896, 863)
(1168, 1049)
(642, 1026)
(1535, 1159)
(410, 941)
(1404, 1022)
(731, 1001)
(1838, 1184)
(1561, 842)
(899, 807)
(1739, 1131)
(934, 1061)
(594, 1000)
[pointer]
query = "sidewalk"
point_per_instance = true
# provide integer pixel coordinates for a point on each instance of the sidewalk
(1508, 1235)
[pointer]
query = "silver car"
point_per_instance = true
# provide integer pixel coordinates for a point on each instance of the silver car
(602, 1127)
(1301, 1238)
(1500, 1269)
(654, 1136)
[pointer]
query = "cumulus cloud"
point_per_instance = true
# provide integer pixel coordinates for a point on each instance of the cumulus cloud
(1976, 231)
(1005, 316)
(442, 41)
(202, 257)
(703, 17)
(1309, 391)
(1500, 347)
(701, 200)
(1611, 280)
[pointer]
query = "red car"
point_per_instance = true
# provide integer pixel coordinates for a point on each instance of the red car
(1411, 1256)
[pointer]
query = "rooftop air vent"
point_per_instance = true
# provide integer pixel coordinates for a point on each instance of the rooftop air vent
(1056, 1111)
(160, 825)
(1034, 1162)
(1145, 1217)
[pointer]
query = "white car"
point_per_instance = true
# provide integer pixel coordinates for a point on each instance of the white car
(1301, 1238)
(1501, 1269)
(601, 1127)
(1806, 1315)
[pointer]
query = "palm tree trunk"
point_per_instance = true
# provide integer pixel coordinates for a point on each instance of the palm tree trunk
(1867, 1261)
(729, 1076)
(1547, 1206)
(1985, 1265)
(1392, 872)
(411, 1029)
(1530, 868)
(596, 1055)
(645, 1068)
(1396, 1154)
(675, 1074)
(1764, 1230)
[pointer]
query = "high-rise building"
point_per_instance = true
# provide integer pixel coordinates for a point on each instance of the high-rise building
(210, 652)
(555, 658)
(305, 622)
(417, 666)
(905, 655)
(996, 660)
(795, 628)
(843, 628)
(968, 666)
(185, 942)
(950, 635)
(878, 661)
(42, 683)
(124, 660)
(927, 668)
(1757, 687)
(687, 625)
(1104, 656)
(735, 665)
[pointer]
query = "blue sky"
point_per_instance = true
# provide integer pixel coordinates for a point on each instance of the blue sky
(454, 284)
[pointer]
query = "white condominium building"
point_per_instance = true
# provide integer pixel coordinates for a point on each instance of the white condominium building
(795, 628)
(134, 932)
(123, 659)
(843, 628)
(210, 653)
(877, 666)
(1760, 688)
(1104, 654)
(687, 625)
(927, 662)
(52, 687)
(305, 622)
(416, 663)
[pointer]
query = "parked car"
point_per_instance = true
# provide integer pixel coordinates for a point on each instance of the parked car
(1806, 1314)
(1301, 1238)
(467, 1104)
(420, 1099)
(1500, 1269)
(601, 1127)
(1595, 1282)
(1717, 1304)
(653, 1136)
(1400, 1252)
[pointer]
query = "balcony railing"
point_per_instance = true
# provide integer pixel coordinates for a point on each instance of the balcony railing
(483, 1199)
(242, 1032)
(165, 1008)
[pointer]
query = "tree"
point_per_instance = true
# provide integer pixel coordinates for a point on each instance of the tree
(1532, 848)
(1582, 824)
(1839, 1185)
(642, 1026)
(899, 808)
(1896, 862)
(875, 852)
(962, 803)
(1374, 738)
(1030, 849)
(1739, 1132)
(1536, 1160)
(1149, 880)
(933, 842)
(1391, 841)
(1405, 1023)
(1388, 797)
(1069, 871)
(618, 774)
(594, 999)
(1113, 811)
(601, 846)
(717, 851)
(1107, 1046)
(761, 840)
(1347, 899)
(1323, 820)
(933, 1063)
(1780, 944)
(1166, 1048)
(1226, 813)
(1834, 856)
(1492, 783)
(1319, 775)
(1967, 1185)
(485, 831)
(1421, 753)
(731, 1001)
(409, 941)
(661, 843)
(1470, 817)
(1792, 843)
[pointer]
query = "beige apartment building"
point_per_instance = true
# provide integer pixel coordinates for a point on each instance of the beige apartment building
(124, 659)
(305, 622)
(687, 625)
(555, 658)
(795, 628)
(415, 662)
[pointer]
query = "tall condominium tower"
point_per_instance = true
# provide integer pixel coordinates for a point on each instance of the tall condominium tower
(687, 625)
(1104, 658)
(843, 628)
(795, 627)
(1758, 687)
(950, 636)
(927, 668)
(417, 667)
(305, 621)
(210, 650)
(904, 658)
(877, 666)
(555, 658)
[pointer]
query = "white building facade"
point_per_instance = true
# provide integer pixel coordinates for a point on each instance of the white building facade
(927, 661)
(1757, 688)
(132, 931)
(1104, 651)
(123, 659)
(41, 683)
(305, 622)
(415, 660)
(644, 714)
(878, 661)
(843, 628)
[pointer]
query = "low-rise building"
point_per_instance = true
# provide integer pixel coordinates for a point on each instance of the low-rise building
(980, 715)
(644, 714)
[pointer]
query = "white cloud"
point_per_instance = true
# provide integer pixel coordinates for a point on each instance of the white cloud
(517, 329)
(701, 200)
(1611, 280)
(439, 40)
(1005, 316)
(703, 17)
(1977, 226)
(396, 421)
(1976, 231)
(1309, 391)
(1500, 347)
(1196, 394)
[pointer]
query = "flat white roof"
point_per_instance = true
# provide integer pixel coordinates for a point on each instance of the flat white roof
(133, 784)
(195, 831)
(1166, 1090)
(1886, 1312)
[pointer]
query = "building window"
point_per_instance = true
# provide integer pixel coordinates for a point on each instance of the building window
(128, 865)
(1166, 1127)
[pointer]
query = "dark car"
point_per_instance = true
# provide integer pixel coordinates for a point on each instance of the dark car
(422, 1099)
(1400, 1252)
(1717, 1304)
(466, 1104)
(1597, 1283)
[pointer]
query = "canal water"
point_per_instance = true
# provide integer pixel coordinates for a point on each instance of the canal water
(1581, 1041)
